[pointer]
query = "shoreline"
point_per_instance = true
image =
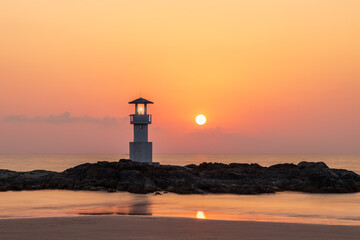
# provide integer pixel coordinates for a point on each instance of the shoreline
(105, 215)
(150, 216)
(150, 227)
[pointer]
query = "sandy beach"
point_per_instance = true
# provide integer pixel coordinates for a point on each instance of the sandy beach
(137, 227)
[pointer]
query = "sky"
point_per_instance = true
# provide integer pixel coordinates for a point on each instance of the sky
(272, 77)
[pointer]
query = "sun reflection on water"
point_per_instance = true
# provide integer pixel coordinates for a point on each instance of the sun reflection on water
(200, 215)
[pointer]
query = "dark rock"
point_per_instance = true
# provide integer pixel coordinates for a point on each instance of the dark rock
(125, 160)
(191, 166)
(305, 164)
(238, 178)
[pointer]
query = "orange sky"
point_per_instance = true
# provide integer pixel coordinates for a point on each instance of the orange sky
(272, 77)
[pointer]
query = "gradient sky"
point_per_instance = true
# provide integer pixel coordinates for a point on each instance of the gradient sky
(272, 77)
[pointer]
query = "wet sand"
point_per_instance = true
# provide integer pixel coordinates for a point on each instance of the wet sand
(137, 227)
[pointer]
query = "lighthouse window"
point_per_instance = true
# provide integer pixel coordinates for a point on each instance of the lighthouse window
(141, 109)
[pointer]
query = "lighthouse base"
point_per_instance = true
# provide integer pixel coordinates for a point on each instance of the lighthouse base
(141, 151)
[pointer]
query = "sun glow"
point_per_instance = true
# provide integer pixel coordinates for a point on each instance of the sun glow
(200, 215)
(200, 119)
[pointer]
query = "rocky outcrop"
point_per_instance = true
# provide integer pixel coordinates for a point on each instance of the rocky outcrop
(125, 175)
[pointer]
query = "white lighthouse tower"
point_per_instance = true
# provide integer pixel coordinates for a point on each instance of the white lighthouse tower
(140, 148)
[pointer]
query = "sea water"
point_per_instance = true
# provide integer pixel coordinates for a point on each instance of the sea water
(62, 162)
(280, 207)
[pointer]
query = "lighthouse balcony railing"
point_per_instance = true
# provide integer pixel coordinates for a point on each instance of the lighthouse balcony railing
(140, 119)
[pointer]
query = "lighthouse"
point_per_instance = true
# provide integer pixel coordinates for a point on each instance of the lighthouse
(140, 148)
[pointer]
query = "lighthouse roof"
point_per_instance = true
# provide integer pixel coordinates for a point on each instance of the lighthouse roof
(140, 100)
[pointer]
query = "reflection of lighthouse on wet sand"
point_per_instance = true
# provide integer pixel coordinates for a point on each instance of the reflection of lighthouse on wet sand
(140, 205)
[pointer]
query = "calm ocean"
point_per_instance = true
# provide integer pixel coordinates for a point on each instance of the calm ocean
(63, 162)
(281, 207)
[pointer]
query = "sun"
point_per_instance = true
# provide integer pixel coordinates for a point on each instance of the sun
(200, 119)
